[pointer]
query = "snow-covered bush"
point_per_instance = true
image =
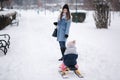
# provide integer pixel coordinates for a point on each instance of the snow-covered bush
(102, 14)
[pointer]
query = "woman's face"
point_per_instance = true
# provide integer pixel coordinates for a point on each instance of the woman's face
(65, 10)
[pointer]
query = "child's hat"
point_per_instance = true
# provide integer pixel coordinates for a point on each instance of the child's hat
(71, 43)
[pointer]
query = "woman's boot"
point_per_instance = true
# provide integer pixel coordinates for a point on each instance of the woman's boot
(62, 51)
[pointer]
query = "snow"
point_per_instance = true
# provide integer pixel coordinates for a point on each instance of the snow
(7, 12)
(34, 53)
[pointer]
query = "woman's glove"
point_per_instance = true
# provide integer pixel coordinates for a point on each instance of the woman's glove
(55, 23)
(66, 36)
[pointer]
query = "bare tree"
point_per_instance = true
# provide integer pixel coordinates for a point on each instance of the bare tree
(115, 5)
(1, 4)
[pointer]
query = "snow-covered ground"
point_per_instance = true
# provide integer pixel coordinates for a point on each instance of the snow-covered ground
(34, 53)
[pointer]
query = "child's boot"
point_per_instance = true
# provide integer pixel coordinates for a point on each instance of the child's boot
(78, 73)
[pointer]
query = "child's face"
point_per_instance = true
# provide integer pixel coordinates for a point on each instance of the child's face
(65, 10)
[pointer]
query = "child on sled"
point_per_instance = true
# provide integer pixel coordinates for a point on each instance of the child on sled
(70, 59)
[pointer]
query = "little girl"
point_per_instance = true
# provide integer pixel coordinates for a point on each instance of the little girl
(70, 59)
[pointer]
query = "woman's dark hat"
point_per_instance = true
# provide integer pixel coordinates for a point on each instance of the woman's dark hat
(65, 6)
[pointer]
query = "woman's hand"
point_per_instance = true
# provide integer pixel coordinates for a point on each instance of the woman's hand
(55, 23)
(66, 36)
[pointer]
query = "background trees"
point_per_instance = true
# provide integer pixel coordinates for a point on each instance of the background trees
(1, 4)
(82, 4)
(102, 8)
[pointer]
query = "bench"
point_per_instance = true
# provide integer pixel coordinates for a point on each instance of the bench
(4, 43)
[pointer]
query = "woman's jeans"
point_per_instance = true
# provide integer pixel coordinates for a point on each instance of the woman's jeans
(62, 44)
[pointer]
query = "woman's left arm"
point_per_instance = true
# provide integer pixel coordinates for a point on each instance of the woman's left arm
(68, 27)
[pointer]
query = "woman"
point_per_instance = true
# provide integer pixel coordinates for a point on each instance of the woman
(63, 28)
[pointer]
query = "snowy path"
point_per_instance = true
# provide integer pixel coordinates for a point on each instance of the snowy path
(30, 57)
(33, 53)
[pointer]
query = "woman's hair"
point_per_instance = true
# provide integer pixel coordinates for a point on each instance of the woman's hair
(68, 12)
